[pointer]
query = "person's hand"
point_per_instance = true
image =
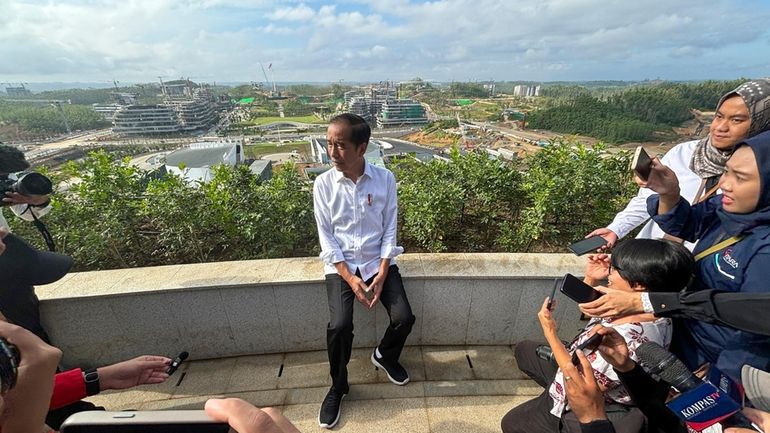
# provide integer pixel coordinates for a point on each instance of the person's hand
(245, 418)
(614, 349)
(376, 288)
(546, 320)
(613, 303)
(141, 370)
(662, 179)
(359, 289)
(26, 405)
(758, 417)
(12, 198)
(608, 235)
(3, 233)
(598, 267)
(585, 398)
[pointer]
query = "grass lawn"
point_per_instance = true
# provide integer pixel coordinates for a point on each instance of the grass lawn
(300, 119)
(261, 149)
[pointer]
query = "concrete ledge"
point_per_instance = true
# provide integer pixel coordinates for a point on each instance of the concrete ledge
(224, 309)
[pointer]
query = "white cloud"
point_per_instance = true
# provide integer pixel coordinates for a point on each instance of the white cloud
(299, 13)
(374, 39)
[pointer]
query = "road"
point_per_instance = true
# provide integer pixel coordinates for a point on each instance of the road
(401, 146)
(76, 140)
(530, 135)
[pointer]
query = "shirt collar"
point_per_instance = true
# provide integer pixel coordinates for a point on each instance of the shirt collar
(338, 176)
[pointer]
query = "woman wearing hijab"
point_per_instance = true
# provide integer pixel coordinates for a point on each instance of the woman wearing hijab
(742, 113)
(732, 254)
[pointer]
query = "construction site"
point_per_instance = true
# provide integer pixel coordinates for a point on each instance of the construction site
(187, 107)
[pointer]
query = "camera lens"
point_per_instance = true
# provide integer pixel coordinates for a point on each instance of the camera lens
(9, 365)
(33, 184)
(545, 353)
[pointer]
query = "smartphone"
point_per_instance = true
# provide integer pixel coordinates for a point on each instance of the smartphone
(642, 163)
(587, 245)
(553, 294)
(161, 421)
(587, 347)
(577, 290)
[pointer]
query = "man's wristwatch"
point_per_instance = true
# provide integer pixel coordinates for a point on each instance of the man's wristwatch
(91, 378)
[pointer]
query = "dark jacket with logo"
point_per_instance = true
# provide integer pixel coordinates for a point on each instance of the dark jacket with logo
(741, 267)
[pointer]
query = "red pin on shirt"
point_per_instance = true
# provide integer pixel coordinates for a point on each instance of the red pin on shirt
(369, 199)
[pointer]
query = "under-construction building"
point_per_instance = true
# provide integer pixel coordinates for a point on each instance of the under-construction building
(522, 90)
(121, 99)
(193, 114)
(187, 107)
(381, 105)
(18, 92)
(401, 112)
(146, 119)
(362, 107)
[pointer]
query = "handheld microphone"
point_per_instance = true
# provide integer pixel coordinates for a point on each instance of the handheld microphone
(694, 407)
(667, 366)
(176, 362)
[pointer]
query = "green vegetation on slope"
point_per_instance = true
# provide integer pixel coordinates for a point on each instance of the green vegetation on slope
(471, 203)
(632, 114)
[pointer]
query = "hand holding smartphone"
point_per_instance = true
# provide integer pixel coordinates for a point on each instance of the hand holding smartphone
(588, 346)
(642, 163)
(164, 421)
(553, 294)
(587, 245)
(577, 290)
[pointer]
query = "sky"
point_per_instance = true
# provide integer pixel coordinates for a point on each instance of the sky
(374, 40)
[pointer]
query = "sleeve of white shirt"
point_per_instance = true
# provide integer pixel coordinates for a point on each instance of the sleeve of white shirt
(330, 250)
(25, 211)
(635, 212)
(389, 249)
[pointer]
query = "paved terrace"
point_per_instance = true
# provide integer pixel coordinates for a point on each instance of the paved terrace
(256, 330)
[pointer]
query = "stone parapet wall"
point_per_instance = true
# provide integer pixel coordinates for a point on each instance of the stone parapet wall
(215, 310)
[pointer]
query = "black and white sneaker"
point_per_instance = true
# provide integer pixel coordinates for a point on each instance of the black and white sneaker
(396, 373)
(330, 409)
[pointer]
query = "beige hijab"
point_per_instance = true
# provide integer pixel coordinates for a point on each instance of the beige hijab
(708, 161)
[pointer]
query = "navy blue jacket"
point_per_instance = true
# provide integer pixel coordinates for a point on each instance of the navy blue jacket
(740, 267)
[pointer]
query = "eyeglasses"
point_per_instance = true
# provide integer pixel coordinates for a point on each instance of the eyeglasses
(614, 266)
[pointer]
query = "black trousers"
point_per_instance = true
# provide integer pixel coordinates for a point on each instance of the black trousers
(19, 304)
(339, 332)
(534, 416)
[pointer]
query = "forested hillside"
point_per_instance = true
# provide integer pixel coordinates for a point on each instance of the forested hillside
(633, 114)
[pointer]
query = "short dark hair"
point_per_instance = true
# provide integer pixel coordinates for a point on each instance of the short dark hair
(12, 159)
(658, 265)
(359, 129)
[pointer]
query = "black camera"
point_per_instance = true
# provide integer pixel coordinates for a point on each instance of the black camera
(9, 365)
(31, 183)
(545, 353)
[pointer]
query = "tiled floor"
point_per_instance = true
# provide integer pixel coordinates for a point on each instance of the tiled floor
(452, 389)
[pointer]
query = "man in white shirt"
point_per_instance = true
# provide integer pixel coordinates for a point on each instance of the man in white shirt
(356, 210)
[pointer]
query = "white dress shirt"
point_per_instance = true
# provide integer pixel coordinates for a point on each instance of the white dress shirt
(356, 221)
(635, 213)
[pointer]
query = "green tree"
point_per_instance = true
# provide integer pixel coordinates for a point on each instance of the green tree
(570, 190)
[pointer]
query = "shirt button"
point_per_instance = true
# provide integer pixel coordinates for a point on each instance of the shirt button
(662, 305)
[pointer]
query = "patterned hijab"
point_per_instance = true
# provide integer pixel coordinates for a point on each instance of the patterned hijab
(708, 161)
